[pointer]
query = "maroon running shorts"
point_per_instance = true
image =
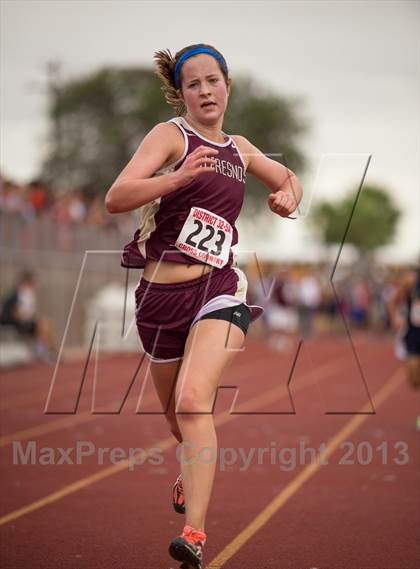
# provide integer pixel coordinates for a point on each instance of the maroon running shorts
(165, 312)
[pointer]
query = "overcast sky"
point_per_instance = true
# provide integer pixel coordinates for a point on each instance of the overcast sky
(355, 64)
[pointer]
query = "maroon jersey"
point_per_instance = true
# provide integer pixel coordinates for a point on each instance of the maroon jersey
(195, 223)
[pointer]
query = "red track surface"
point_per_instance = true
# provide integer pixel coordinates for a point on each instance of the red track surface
(329, 516)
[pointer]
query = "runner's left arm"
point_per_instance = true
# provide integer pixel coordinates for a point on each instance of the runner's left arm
(284, 185)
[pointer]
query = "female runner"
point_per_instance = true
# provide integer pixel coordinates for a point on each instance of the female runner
(406, 296)
(188, 178)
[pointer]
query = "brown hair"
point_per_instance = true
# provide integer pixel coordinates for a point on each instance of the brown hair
(165, 66)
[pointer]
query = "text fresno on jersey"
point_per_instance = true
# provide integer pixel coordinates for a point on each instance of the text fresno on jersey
(229, 170)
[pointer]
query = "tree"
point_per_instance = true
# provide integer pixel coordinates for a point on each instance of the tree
(98, 121)
(373, 223)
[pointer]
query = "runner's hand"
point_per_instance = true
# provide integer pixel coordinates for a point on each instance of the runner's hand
(282, 203)
(198, 162)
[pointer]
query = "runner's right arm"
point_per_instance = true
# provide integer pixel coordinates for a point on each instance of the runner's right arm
(136, 186)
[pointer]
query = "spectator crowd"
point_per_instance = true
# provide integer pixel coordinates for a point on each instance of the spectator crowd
(303, 300)
(29, 211)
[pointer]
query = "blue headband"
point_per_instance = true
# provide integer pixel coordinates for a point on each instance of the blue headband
(190, 53)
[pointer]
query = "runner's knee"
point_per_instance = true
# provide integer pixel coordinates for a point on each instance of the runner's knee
(190, 403)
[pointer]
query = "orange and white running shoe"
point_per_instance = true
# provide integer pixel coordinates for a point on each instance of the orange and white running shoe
(178, 500)
(188, 547)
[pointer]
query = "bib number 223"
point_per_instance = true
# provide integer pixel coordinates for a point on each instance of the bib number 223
(205, 236)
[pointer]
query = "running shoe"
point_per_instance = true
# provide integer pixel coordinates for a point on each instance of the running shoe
(188, 547)
(178, 496)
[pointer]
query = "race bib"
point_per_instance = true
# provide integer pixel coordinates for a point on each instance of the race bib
(206, 237)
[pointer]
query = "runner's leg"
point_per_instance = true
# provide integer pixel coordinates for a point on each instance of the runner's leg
(211, 346)
(413, 371)
(164, 377)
